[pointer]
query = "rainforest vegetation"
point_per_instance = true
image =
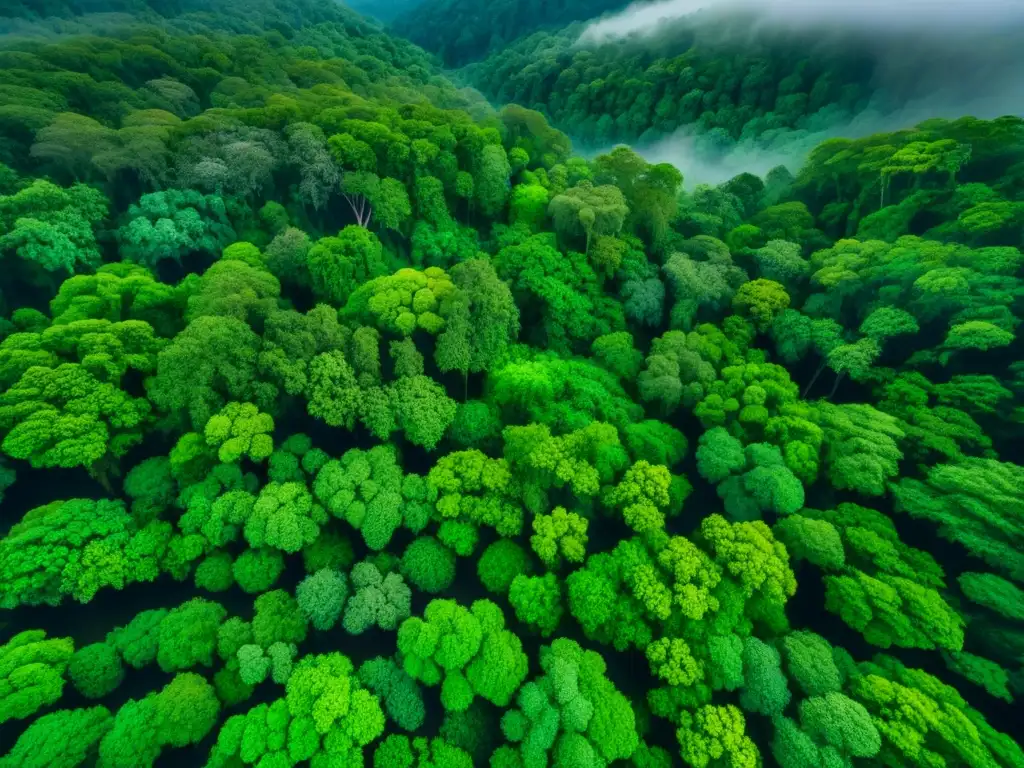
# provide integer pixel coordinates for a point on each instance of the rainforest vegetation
(347, 419)
(621, 91)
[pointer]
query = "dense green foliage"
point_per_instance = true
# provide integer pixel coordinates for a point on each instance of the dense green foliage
(348, 421)
(704, 79)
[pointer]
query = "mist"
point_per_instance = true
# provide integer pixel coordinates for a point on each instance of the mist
(877, 17)
(930, 58)
(685, 149)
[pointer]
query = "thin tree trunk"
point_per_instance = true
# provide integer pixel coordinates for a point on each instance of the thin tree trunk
(835, 386)
(362, 212)
(817, 373)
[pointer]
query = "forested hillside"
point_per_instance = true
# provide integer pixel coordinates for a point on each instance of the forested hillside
(750, 79)
(348, 420)
(237, 15)
(608, 92)
(714, 77)
(384, 10)
(463, 31)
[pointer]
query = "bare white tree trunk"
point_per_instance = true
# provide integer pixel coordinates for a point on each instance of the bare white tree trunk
(361, 208)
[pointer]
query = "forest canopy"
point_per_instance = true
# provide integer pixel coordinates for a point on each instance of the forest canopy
(347, 419)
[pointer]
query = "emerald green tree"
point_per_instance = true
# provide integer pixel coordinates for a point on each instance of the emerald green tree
(32, 670)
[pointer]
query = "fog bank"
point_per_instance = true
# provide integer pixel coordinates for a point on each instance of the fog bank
(878, 17)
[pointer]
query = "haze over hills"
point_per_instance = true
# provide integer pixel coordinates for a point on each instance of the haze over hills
(384, 10)
(870, 19)
(706, 80)
(348, 418)
(463, 31)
